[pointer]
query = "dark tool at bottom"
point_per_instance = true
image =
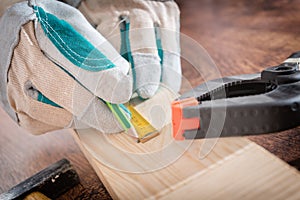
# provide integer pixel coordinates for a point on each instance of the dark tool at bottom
(248, 104)
(50, 182)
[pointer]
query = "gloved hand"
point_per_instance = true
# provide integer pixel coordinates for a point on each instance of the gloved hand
(55, 67)
(146, 32)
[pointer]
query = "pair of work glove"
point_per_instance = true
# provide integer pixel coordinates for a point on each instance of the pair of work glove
(59, 67)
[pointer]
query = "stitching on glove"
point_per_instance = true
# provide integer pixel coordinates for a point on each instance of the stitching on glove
(97, 67)
(48, 25)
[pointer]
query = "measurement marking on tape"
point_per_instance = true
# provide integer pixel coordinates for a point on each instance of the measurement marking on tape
(144, 129)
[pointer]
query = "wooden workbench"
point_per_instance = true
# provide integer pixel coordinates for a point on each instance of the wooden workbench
(240, 36)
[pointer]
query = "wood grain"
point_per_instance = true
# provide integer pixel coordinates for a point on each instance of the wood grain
(162, 168)
(247, 174)
(241, 37)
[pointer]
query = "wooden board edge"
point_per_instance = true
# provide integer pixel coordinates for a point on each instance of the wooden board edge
(93, 162)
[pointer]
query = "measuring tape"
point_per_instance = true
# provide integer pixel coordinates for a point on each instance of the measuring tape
(136, 126)
(143, 128)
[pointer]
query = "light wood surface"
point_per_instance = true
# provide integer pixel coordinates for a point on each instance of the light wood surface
(162, 168)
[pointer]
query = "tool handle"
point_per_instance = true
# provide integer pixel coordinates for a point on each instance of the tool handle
(51, 181)
(250, 115)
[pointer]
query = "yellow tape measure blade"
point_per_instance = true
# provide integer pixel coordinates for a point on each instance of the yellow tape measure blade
(141, 125)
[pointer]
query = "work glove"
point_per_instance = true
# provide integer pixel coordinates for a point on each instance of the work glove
(146, 33)
(57, 71)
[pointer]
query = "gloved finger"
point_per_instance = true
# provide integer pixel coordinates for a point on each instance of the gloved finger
(37, 74)
(137, 44)
(169, 35)
(91, 60)
(139, 47)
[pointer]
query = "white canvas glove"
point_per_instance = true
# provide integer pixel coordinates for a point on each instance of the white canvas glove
(57, 69)
(146, 33)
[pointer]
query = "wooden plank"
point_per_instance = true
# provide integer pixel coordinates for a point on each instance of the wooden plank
(250, 173)
(164, 168)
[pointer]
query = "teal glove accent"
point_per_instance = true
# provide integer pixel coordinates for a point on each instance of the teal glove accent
(127, 112)
(159, 49)
(72, 44)
(44, 99)
(125, 49)
(149, 39)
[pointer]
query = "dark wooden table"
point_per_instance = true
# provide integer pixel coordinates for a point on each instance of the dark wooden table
(241, 37)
